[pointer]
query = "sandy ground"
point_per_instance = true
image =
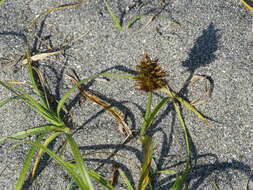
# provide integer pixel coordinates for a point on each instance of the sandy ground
(215, 39)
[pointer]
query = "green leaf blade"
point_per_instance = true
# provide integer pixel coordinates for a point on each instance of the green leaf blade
(114, 17)
(63, 163)
(26, 165)
(34, 131)
(79, 161)
(8, 100)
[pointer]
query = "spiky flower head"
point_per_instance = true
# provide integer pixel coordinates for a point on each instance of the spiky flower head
(150, 76)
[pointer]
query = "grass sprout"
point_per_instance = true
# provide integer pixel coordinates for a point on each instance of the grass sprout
(134, 19)
(114, 17)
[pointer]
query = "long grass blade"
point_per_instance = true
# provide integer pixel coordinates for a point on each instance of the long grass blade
(183, 125)
(43, 111)
(100, 179)
(150, 119)
(92, 174)
(8, 100)
(39, 154)
(37, 85)
(30, 101)
(26, 165)
(123, 176)
(8, 87)
(34, 131)
(45, 12)
(63, 163)
(79, 162)
(186, 104)
(114, 17)
(147, 145)
(181, 180)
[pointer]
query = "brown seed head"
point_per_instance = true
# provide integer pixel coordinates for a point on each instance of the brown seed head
(150, 76)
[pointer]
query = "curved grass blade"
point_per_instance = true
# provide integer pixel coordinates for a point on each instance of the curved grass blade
(26, 165)
(186, 104)
(8, 100)
(100, 179)
(63, 163)
(47, 114)
(186, 132)
(136, 18)
(42, 95)
(150, 119)
(34, 131)
(94, 175)
(72, 89)
(147, 145)
(37, 160)
(5, 85)
(181, 180)
(79, 162)
(122, 174)
(114, 17)
(45, 12)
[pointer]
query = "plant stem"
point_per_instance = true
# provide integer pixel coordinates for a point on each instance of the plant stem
(147, 114)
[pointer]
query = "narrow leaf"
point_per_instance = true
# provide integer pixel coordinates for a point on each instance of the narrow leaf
(63, 163)
(122, 174)
(34, 131)
(114, 17)
(79, 161)
(100, 179)
(37, 160)
(136, 18)
(186, 104)
(183, 125)
(26, 165)
(8, 100)
(150, 119)
(147, 145)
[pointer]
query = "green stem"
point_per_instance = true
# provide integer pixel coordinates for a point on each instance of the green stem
(147, 114)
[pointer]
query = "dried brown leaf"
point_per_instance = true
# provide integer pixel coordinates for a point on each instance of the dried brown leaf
(124, 128)
(41, 56)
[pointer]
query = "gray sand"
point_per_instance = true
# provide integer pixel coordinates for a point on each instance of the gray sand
(215, 39)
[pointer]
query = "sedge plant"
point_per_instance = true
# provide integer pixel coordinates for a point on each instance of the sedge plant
(149, 79)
